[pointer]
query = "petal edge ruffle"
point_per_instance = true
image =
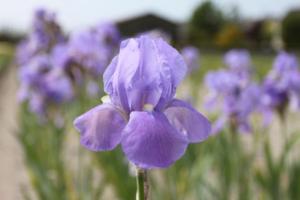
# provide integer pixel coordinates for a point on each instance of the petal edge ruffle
(100, 128)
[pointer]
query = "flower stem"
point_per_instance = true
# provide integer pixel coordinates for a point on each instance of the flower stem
(142, 184)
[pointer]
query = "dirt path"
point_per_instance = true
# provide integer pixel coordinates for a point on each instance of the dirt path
(12, 170)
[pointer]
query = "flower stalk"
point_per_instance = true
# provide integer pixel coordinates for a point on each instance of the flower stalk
(142, 184)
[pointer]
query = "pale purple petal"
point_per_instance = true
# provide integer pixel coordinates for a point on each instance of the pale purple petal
(219, 124)
(150, 141)
(188, 121)
(100, 128)
(146, 71)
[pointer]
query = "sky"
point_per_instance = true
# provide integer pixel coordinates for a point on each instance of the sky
(78, 14)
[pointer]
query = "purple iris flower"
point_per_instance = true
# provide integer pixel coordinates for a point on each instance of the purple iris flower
(60, 56)
(238, 61)
(109, 34)
(53, 89)
(94, 48)
(191, 56)
(236, 97)
(46, 29)
(282, 84)
(141, 113)
(32, 71)
(57, 87)
(42, 85)
(46, 33)
(285, 62)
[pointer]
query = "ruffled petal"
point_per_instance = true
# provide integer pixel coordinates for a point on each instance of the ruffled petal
(100, 127)
(146, 71)
(188, 121)
(150, 141)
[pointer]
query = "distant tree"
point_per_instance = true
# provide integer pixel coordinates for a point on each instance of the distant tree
(230, 36)
(291, 30)
(205, 23)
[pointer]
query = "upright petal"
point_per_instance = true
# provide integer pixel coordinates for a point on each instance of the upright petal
(150, 141)
(146, 71)
(188, 121)
(100, 127)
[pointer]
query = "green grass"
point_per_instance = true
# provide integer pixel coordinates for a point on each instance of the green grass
(4, 61)
(6, 55)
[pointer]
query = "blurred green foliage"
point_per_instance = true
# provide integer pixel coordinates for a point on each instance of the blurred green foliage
(291, 30)
(6, 55)
(205, 23)
(211, 27)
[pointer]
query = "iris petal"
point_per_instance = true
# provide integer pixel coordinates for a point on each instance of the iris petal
(150, 141)
(146, 71)
(188, 121)
(100, 128)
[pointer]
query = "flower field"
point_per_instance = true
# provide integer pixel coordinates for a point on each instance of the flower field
(103, 116)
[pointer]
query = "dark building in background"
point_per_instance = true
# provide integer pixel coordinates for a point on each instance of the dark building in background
(148, 22)
(10, 37)
(254, 32)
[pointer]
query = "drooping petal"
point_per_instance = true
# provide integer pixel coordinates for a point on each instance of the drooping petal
(188, 121)
(100, 128)
(150, 141)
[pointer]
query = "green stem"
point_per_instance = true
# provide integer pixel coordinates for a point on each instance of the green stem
(283, 124)
(142, 184)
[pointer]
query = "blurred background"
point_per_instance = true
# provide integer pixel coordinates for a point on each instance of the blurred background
(52, 57)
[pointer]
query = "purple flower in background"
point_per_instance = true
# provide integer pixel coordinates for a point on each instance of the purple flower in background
(282, 85)
(238, 61)
(93, 49)
(46, 33)
(60, 56)
(234, 96)
(57, 87)
(46, 29)
(62, 59)
(285, 62)
(191, 56)
(31, 72)
(109, 34)
(141, 113)
(93, 89)
(42, 85)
